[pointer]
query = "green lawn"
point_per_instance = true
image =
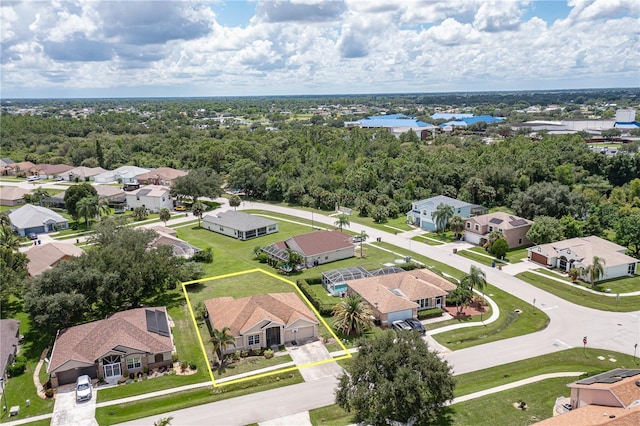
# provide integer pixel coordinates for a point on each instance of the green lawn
(509, 324)
(426, 240)
(498, 406)
(481, 255)
(398, 224)
(580, 297)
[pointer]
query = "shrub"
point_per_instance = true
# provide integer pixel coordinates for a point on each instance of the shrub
(17, 368)
(262, 257)
(268, 354)
(49, 393)
(203, 256)
(304, 286)
(174, 357)
(244, 353)
(193, 366)
(429, 313)
(236, 356)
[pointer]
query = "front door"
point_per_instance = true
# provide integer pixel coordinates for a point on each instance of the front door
(273, 336)
(439, 302)
(111, 366)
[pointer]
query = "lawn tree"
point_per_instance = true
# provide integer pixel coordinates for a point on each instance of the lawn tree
(76, 193)
(380, 214)
(221, 340)
(499, 248)
(342, 221)
(140, 213)
(595, 271)
(13, 270)
(456, 225)
(9, 239)
(441, 216)
(545, 230)
(363, 237)
(38, 195)
(395, 378)
(628, 233)
(235, 201)
(461, 296)
(103, 207)
(87, 207)
(164, 215)
(198, 209)
(197, 184)
(353, 315)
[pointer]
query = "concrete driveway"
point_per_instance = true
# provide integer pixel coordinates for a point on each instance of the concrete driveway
(311, 353)
(68, 412)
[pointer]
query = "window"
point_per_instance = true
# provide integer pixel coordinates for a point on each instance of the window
(253, 339)
(162, 199)
(221, 229)
(519, 240)
(134, 363)
(138, 197)
(477, 227)
(632, 269)
(468, 225)
(272, 228)
(422, 303)
(491, 229)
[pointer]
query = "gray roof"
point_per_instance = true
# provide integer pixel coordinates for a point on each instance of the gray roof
(9, 338)
(238, 220)
(443, 199)
(30, 216)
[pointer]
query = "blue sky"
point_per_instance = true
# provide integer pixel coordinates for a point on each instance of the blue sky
(91, 48)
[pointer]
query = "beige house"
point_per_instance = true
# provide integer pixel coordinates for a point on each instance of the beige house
(579, 253)
(160, 176)
(514, 228)
(263, 320)
(316, 248)
(12, 195)
(126, 342)
(24, 168)
(50, 171)
(611, 398)
(152, 197)
(81, 174)
(400, 296)
(46, 256)
(168, 237)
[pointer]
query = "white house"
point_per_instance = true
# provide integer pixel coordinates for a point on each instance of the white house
(421, 213)
(124, 174)
(151, 197)
(30, 219)
(242, 226)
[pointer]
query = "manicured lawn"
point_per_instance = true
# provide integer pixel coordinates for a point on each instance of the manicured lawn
(20, 388)
(398, 224)
(509, 324)
(426, 240)
(250, 364)
(479, 257)
(175, 401)
(575, 295)
(538, 396)
(446, 237)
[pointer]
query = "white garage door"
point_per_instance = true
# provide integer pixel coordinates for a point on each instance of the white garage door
(399, 315)
(472, 238)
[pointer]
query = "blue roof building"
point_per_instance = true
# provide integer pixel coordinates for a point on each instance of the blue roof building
(396, 124)
(449, 116)
(467, 121)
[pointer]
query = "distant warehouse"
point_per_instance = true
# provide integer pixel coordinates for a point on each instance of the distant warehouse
(242, 226)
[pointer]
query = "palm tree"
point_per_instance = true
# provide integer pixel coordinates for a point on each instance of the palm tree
(595, 271)
(363, 237)
(103, 207)
(476, 278)
(87, 207)
(165, 421)
(352, 315)
(343, 220)
(9, 239)
(221, 340)
(164, 215)
(198, 209)
(38, 195)
(456, 224)
(5, 221)
(494, 236)
(441, 216)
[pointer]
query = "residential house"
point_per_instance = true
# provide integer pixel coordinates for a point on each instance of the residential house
(421, 213)
(263, 320)
(46, 256)
(126, 342)
(10, 338)
(242, 226)
(168, 237)
(514, 228)
(113, 194)
(151, 197)
(401, 295)
(316, 248)
(24, 168)
(124, 175)
(82, 174)
(12, 195)
(5, 164)
(160, 176)
(35, 219)
(579, 253)
(52, 171)
(610, 398)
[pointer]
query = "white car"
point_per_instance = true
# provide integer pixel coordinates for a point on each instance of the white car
(83, 388)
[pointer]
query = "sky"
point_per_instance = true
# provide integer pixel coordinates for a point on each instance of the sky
(131, 48)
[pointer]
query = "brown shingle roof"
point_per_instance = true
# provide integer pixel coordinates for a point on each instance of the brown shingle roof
(44, 257)
(164, 173)
(9, 338)
(596, 415)
(13, 193)
(315, 243)
(241, 314)
(88, 342)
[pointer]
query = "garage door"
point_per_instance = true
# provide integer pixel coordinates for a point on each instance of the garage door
(539, 258)
(304, 333)
(399, 315)
(70, 376)
(472, 238)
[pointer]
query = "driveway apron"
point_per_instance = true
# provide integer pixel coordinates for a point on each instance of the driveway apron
(68, 412)
(313, 352)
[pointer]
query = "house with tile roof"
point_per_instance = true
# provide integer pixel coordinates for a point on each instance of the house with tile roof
(401, 295)
(124, 174)
(46, 256)
(514, 228)
(316, 248)
(421, 213)
(263, 320)
(579, 253)
(10, 338)
(168, 237)
(126, 342)
(151, 197)
(12, 195)
(51, 171)
(240, 225)
(37, 220)
(610, 398)
(160, 176)
(81, 174)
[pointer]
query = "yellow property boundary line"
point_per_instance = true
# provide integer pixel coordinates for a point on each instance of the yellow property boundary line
(273, 372)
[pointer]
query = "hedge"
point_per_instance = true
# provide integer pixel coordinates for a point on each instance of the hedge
(429, 313)
(324, 309)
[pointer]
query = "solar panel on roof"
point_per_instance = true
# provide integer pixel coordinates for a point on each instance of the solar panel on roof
(518, 222)
(163, 324)
(152, 322)
(496, 221)
(609, 380)
(628, 373)
(143, 192)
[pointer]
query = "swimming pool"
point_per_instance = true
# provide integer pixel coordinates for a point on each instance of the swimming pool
(336, 289)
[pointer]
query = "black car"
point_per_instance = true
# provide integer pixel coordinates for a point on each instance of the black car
(416, 325)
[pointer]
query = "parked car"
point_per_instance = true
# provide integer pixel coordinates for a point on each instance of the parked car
(401, 325)
(33, 178)
(180, 208)
(357, 239)
(416, 325)
(83, 388)
(33, 236)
